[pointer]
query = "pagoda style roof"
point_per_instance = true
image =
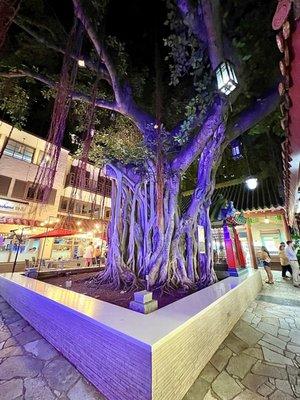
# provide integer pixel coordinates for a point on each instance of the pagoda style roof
(267, 196)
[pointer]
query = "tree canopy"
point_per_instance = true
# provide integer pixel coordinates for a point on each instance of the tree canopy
(137, 38)
(150, 72)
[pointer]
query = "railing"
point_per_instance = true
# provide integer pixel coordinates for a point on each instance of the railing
(101, 187)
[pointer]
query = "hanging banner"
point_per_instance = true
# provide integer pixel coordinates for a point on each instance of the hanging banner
(201, 239)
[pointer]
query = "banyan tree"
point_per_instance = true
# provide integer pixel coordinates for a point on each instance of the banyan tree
(150, 124)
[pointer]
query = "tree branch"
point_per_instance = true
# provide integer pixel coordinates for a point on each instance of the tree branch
(123, 95)
(195, 146)
(80, 14)
(109, 105)
(204, 22)
(90, 65)
(193, 19)
(211, 16)
(251, 116)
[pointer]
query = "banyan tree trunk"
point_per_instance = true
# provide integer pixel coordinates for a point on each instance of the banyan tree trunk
(176, 252)
(140, 248)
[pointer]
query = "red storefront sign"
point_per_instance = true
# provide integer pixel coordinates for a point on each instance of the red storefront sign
(18, 221)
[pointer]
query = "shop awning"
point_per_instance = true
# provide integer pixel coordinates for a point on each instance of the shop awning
(55, 233)
(18, 221)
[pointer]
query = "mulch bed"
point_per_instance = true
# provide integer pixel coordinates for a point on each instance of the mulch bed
(105, 293)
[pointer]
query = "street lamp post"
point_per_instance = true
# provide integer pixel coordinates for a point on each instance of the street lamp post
(19, 237)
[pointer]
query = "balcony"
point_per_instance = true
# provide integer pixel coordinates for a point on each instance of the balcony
(102, 186)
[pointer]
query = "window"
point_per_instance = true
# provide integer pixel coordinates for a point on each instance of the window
(86, 208)
(30, 193)
(4, 184)
(78, 208)
(63, 204)
(35, 194)
(19, 150)
(19, 189)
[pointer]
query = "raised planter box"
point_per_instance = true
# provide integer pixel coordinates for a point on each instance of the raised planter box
(127, 355)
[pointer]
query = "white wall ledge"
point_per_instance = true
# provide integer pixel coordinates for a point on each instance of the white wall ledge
(146, 329)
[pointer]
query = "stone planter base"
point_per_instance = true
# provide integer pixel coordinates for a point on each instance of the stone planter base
(127, 355)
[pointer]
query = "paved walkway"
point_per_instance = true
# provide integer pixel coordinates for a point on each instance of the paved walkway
(260, 359)
(31, 369)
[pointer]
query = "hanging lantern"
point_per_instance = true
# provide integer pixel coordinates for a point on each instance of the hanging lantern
(236, 149)
(226, 78)
(251, 183)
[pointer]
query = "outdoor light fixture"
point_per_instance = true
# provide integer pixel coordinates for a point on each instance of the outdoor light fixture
(236, 150)
(251, 183)
(226, 78)
(81, 63)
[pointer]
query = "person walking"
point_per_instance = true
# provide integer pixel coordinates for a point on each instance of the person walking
(88, 255)
(97, 254)
(266, 259)
(284, 261)
(292, 257)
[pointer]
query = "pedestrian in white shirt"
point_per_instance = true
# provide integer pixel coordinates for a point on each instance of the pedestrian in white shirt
(292, 257)
(88, 255)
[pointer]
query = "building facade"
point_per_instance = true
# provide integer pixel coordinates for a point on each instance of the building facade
(263, 222)
(85, 209)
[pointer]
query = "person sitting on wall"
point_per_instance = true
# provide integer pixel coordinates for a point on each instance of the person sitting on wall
(284, 261)
(88, 255)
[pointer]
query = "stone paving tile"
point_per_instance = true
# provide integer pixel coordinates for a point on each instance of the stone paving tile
(32, 369)
(260, 358)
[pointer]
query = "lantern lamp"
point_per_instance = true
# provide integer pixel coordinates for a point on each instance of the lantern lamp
(226, 78)
(251, 183)
(236, 149)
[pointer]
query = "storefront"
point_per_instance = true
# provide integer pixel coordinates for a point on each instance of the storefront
(15, 231)
(266, 228)
(73, 247)
(262, 228)
(13, 236)
(264, 222)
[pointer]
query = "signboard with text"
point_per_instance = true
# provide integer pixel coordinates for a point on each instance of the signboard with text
(12, 206)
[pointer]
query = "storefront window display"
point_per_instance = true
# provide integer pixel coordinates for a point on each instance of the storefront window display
(29, 248)
(219, 252)
(73, 247)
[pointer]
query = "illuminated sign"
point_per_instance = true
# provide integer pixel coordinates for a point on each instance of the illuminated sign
(12, 206)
